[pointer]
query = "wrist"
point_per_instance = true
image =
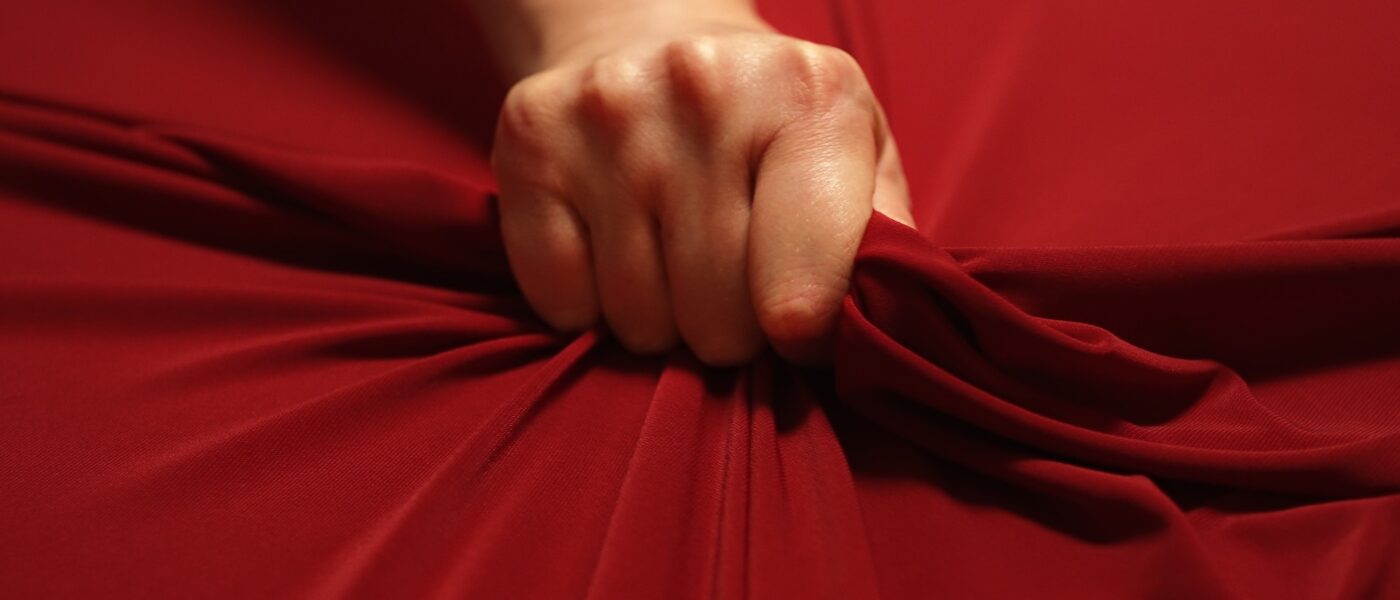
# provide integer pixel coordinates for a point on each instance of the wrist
(565, 40)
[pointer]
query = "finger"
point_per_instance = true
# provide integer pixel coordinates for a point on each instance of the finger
(812, 201)
(706, 239)
(704, 211)
(548, 251)
(616, 180)
(631, 278)
(544, 236)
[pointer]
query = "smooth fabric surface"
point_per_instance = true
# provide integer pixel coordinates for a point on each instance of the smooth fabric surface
(258, 338)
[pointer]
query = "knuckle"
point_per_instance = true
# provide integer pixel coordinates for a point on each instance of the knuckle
(519, 169)
(528, 113)
(823, 76)
(696, 67)
(531, 129)
(644, 173)
(612, 88)
(521, 215)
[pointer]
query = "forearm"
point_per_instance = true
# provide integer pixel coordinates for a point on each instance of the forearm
(528, 35)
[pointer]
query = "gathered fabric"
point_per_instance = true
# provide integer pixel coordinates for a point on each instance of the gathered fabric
(258, 337)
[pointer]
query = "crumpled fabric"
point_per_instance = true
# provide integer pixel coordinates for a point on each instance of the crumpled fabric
(258, 337)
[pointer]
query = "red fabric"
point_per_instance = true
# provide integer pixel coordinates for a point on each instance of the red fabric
(257, 337)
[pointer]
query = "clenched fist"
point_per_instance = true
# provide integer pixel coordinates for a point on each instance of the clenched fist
(693, 179)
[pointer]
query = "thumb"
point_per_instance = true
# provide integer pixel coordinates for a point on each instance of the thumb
(891, 197)
(812, 199)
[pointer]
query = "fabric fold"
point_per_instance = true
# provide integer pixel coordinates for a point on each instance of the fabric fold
(258, 337)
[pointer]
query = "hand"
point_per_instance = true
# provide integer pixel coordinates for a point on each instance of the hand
(708, 181)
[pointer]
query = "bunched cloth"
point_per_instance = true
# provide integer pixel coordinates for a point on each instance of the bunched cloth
(258, 337)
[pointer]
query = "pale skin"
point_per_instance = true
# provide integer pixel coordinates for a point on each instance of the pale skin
(681, 171)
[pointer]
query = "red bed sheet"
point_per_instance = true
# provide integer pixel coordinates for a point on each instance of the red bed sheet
(258, 339)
